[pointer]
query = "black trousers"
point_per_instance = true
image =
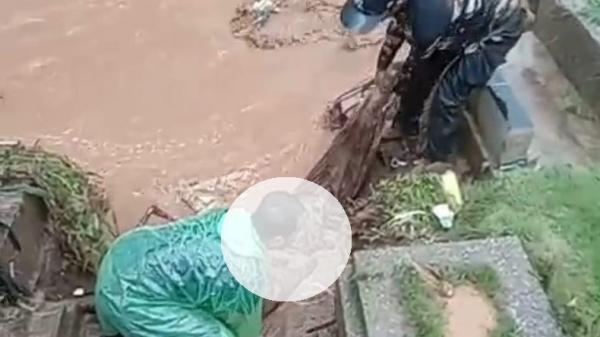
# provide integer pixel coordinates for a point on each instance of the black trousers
(447, 78)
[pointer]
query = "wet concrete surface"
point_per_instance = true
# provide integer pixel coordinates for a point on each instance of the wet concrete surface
(566, 132)
(154, 93)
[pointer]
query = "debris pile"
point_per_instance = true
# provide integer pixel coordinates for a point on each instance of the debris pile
(78, 210)
(252, 19)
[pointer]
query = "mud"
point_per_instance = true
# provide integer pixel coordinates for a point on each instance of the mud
(469, 313)
(311, 318)
(157, 95)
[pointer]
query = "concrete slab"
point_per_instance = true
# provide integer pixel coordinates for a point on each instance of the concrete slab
(523, 297)
(380, 303)
(574, 44)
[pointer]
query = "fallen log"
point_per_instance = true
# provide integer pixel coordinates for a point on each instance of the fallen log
(344, 167)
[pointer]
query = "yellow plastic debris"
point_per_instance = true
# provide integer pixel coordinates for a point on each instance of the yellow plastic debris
(451, 188)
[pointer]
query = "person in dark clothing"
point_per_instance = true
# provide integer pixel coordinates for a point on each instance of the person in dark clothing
(456, 45)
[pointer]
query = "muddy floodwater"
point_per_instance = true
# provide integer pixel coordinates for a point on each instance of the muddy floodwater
(153, 93)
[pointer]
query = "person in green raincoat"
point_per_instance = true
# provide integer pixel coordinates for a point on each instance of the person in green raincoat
(172, 280)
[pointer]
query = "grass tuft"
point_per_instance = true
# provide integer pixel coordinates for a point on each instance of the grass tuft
(421, 305)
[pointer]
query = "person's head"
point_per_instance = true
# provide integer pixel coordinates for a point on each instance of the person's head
(362, 16)
(277, 217)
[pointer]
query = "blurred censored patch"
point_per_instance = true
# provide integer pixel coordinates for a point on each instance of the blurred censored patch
(286, 239)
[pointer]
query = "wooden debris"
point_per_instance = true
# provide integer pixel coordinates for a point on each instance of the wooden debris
(343, 169)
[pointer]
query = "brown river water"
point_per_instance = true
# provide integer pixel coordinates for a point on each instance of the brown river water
(155, 93)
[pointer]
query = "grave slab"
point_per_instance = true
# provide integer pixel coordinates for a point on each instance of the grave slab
(523, 298)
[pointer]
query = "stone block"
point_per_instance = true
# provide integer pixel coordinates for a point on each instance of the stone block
(503, 121)
(26, 216)
(523, 297)
(574, 44)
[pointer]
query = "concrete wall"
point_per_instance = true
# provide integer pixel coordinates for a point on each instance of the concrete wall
(574, 45)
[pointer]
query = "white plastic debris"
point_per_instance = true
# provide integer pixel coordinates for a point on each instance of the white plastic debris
(397, 163)
(444, 215)
(78, 292)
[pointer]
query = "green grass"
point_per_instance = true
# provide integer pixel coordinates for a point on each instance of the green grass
(421, 305)
(424, 310)
(592, 11)
(485, 279)
(555, 213)
(404, 204)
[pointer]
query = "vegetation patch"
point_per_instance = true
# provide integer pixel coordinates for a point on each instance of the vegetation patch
(78, 210)
(421, 305)
(555, 213)
(592, 11)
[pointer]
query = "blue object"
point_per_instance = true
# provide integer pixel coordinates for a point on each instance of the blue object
(429, 19)
(361, 17)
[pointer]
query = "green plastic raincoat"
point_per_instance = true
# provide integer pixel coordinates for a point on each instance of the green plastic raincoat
(172, 281)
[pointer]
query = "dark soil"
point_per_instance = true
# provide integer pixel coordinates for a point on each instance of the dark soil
(59, 279)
